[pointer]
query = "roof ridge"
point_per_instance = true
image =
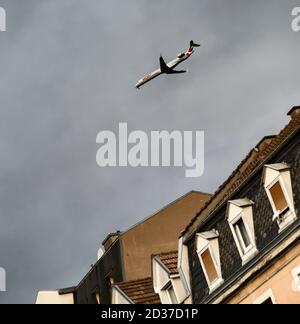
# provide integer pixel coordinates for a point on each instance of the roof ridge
(167, 253)
(168, 205)
(133, 281)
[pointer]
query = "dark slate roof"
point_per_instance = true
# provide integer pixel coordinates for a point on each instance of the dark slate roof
(253, 160)
(170, 260)
(140, 291)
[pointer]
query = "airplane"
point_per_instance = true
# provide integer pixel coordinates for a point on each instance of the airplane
(168, 68)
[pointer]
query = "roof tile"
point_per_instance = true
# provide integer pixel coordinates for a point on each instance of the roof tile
(170, 260)
(140, 291)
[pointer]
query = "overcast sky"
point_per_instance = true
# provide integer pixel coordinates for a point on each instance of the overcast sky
(68, 70)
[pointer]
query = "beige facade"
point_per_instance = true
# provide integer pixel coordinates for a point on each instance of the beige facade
(157, 234)
(280, 282)
(54, 298)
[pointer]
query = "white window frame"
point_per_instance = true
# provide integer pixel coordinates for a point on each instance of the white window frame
(184, 270)
(264, 297)
(167, 290)
(245, 253)
(286, 197)
(219, 281)
(242, 209)
(296, 278)
(286, 217)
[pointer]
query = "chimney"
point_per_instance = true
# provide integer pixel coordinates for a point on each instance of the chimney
(294, 112)
(110, 240)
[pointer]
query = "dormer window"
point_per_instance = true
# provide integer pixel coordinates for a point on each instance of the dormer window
(278, 197)
(171, 295)
(242, 235)
(167, 281)
(209, 256)
(209, 265)
(278, 186)
(240, 219)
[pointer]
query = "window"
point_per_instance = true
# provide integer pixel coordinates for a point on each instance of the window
(296, 276)
(209, 266)
(278, 185)
(209, 256)
(109, 283)
(242, 235)
(97, 295)
(279, 198)
(240, 218)
(266, 299)
(171, 294)
(269, 301)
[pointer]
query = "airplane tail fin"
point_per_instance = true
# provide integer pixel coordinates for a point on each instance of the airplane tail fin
(193, 45)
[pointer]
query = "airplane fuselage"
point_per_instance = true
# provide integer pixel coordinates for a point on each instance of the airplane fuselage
(172, 65)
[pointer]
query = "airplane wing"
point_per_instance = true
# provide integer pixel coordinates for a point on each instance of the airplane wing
(177, 72)
(169, 68)
(163, 66)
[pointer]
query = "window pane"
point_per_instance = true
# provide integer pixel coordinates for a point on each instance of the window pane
(98, 298)
(242, 234)
(209, 266)
(172, 296)
(278, 197)
(269, 301)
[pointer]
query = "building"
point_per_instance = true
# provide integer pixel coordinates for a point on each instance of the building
(239, 246)
(243, 245)
(62, 297)
(127, 255)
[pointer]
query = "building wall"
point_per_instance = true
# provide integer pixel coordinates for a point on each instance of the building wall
(158, 234)
(53, 298)
(266, 230)
(278, 278)
(118, 298)
(97, 280)
(129, 258)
